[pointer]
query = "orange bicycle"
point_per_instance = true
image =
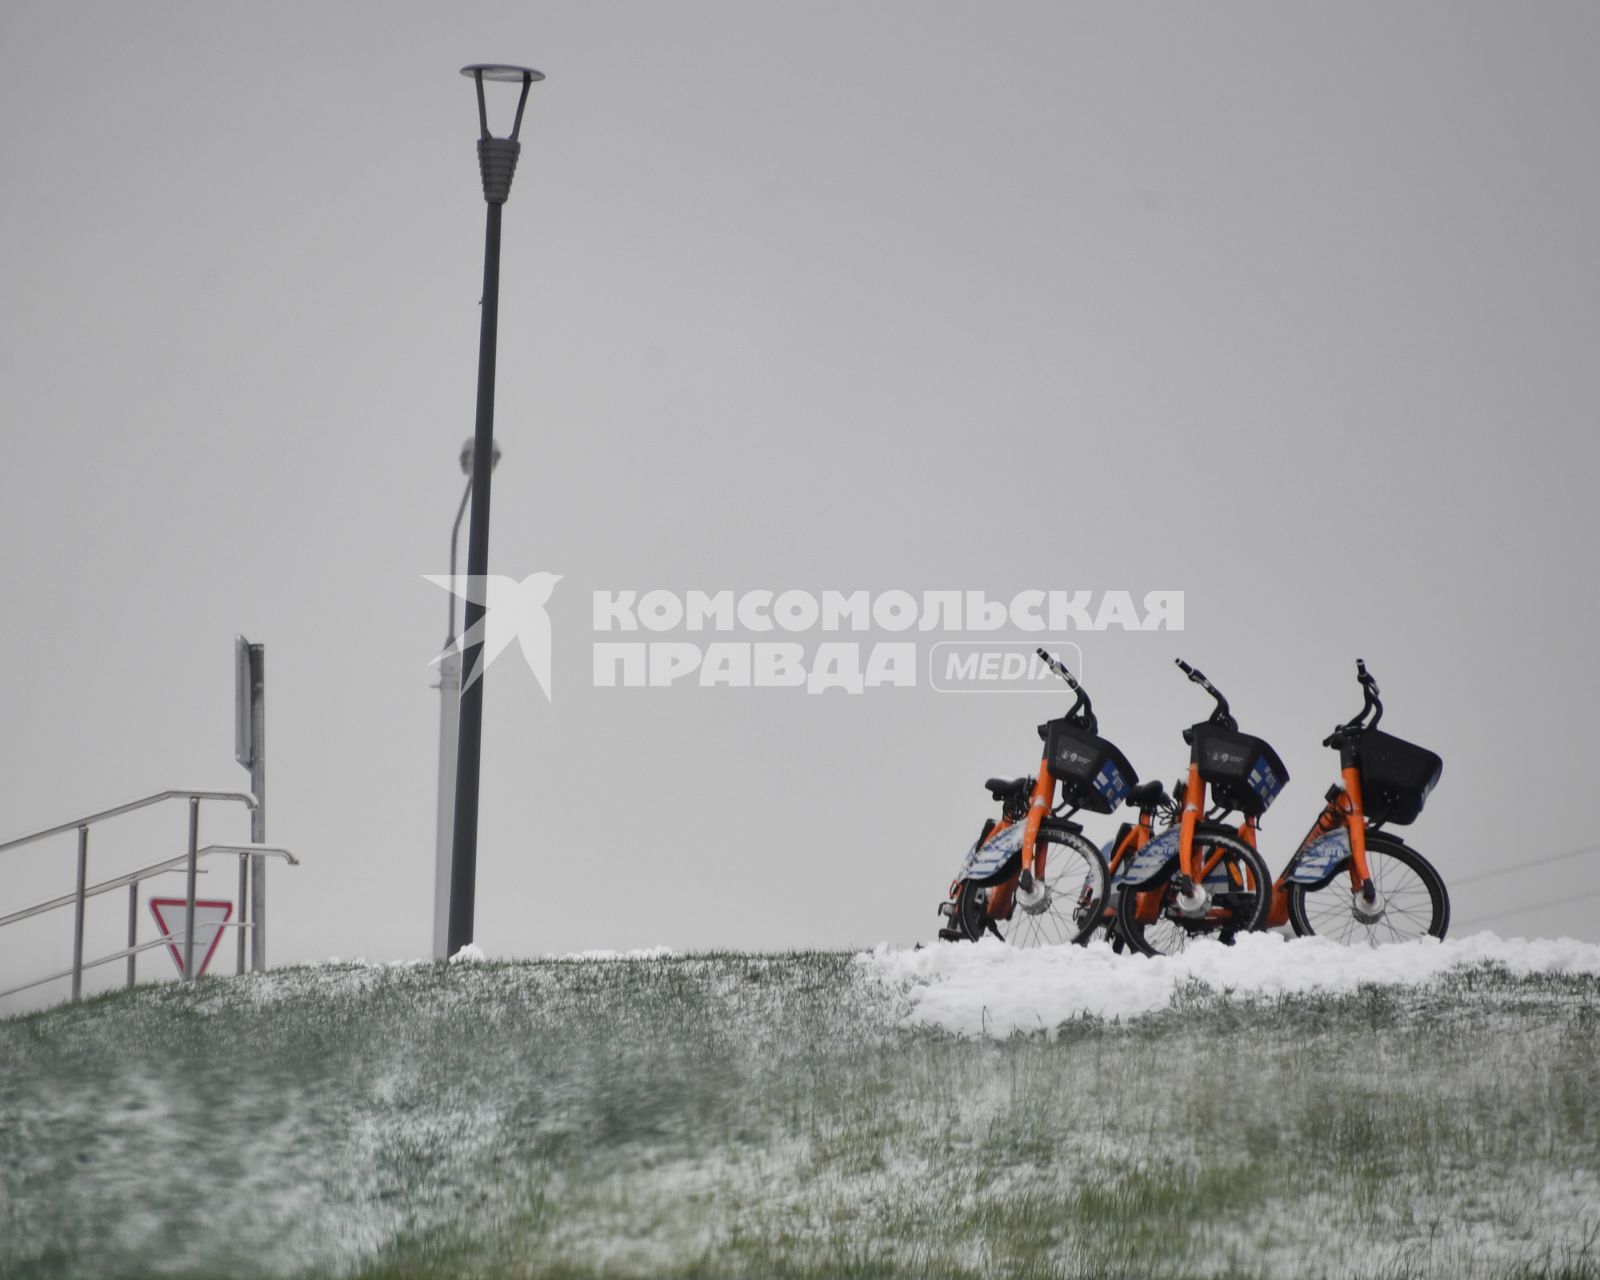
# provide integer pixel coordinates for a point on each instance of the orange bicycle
(1032, 878)
(1199, 878)
(1348, 880)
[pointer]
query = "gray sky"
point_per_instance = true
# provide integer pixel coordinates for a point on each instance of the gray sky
(1291, 307)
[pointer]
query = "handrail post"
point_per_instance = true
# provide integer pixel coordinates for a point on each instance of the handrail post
(133, 927)
(188, 918)
(77, 912)
(244, 885)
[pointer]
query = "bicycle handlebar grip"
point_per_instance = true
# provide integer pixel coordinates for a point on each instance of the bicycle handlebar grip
(1197, 676)
(1056, 666)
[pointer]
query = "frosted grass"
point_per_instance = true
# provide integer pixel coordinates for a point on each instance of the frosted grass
(815, 1115)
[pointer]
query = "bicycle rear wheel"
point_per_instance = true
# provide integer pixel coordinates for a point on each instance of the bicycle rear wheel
(1414, 901)
(1240, 895)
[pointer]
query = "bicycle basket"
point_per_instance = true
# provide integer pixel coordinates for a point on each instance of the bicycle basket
(1093, 774)
(1244, 773)
(1396, 776)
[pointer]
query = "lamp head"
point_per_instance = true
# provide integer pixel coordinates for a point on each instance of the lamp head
(497, 157)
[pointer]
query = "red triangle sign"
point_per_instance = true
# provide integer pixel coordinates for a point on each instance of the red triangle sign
(209, 917)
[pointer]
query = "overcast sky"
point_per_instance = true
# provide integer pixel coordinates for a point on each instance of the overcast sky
(1293, 308)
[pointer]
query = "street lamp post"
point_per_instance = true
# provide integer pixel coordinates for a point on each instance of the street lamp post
(449, 724)
(497, 163)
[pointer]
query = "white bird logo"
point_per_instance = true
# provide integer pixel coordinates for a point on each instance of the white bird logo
(512, 611)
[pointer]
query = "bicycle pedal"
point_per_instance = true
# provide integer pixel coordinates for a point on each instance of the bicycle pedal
(951, 935)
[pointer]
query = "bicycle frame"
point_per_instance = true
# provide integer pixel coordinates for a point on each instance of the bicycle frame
(1194, 804)
(1040, 802)
(1030, 821)
(1194, 866)
(1140, 836)
(1129, 843)
(1343, 809)
(1040, 799)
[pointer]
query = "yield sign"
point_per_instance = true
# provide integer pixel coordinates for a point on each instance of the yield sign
(209, 917)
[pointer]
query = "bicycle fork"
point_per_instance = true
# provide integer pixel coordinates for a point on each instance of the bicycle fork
(1030, 879)
(1192, 896)
(1343, 808)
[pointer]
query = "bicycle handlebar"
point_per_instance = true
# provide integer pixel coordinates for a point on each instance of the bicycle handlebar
(1059, 668)
(1370, 702)
(1366, 677)
(1221, 714)
(1083, 702)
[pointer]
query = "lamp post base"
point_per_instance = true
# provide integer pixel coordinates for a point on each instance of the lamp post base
(449, 722)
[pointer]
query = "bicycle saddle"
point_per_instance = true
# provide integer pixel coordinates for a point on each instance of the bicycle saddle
(1148, 795)
(1013, 789)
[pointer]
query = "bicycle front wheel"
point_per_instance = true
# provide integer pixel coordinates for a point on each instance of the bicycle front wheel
(1413, 901)
(1238, 897)
(1075, 883)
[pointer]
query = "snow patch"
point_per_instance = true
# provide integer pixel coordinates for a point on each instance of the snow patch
(989, 988)
(638, 953)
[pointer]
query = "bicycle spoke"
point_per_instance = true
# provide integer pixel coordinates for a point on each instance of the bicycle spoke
(1409, 908)
(1074, 885)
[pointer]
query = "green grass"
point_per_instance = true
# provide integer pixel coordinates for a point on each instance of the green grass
(733, 1115)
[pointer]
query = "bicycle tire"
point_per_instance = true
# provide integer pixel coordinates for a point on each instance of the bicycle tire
(1077, 884)
(1242, 910)
(1416, 902)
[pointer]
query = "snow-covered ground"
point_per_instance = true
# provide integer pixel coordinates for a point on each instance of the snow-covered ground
(990, 988)
(1277, 1109)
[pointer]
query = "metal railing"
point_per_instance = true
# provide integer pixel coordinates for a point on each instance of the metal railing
(188, 861)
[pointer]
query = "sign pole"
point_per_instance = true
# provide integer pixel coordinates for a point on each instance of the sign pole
(250, 750)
